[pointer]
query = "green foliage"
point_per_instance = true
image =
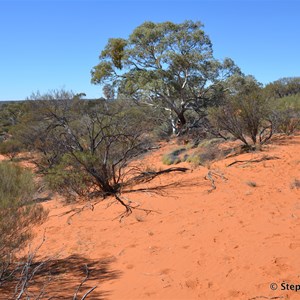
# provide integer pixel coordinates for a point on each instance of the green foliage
(17, 211)
(289, 102)
(245, 114)
(10, 148)
(283, 87)
(69, 178)
(168, 66)
(206, 152)
(286, 114)
(194, 159)
(209, 142)
(85, 146)
(170, 159)
(10, 115)
(174, 157)
(115, 50)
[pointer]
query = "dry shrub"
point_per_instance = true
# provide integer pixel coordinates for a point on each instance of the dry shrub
(17, 210)
(11, 148)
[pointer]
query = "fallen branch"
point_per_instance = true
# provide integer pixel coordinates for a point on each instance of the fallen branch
(253, 160)
(209, 177)
(147, 176)
(87, 273)
(129, 208)
(264, 297)
(88, 292)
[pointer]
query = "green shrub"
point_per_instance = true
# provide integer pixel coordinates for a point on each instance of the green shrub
(10, 148)
(170, 159)
(69, 179)
(17, 210)
(173, 157)
(207, 151)
(194, 159)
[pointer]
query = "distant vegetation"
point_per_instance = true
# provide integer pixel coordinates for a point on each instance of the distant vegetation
(160, 82)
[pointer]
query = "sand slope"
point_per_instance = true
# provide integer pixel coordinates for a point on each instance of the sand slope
(230, 243)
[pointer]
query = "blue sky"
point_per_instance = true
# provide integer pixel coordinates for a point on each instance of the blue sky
(48, 45)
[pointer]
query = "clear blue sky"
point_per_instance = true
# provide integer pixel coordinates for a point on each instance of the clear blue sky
(48, 45)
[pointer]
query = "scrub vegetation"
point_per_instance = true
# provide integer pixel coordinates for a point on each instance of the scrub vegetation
(160, 83)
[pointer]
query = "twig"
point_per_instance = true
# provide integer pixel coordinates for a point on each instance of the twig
(147, 176)
(253, 160)
(264, 297)
(82, 282)
(88, 292)
(87, 273)
(27, 274)
(129, 208)
(210, 178)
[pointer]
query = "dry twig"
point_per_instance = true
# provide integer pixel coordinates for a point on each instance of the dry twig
(253, 160)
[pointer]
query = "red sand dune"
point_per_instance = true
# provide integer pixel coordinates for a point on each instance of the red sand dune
(230, 243)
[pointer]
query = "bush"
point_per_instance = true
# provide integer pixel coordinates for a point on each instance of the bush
(70, 180)
(207, 151)
(247, 117)
(286, 116)
(173, 157)
(170, 159)
(17, 210)
(10, 148)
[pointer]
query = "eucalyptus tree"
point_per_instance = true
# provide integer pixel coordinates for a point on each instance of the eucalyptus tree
(166, 65)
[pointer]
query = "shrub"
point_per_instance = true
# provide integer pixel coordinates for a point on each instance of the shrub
(247, 117)
(69, 179)
(17, 210)
(170, 159)
(206, 152)
(10, 148)
(286, 116)
(173, 157)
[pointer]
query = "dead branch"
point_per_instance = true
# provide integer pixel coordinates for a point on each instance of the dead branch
(28, 272)
(253, 160)
(87, 273)
(129, 208)
(147, 176)
(264, 297)
(88, 292)
(209, 176)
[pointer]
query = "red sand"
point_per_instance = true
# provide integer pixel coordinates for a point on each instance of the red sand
(231, 243)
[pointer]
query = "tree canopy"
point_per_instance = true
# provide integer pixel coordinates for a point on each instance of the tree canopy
(167, 65)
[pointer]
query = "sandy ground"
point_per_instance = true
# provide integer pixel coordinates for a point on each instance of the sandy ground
(229, 243)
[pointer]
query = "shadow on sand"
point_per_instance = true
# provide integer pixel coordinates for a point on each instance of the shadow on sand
(60, 279)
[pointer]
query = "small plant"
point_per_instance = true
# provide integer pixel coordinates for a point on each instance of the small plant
(11, 148)
(173, 157)
(177, 152)
(209, 142)
(17, 210)
(194, 159)
(170, 159)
